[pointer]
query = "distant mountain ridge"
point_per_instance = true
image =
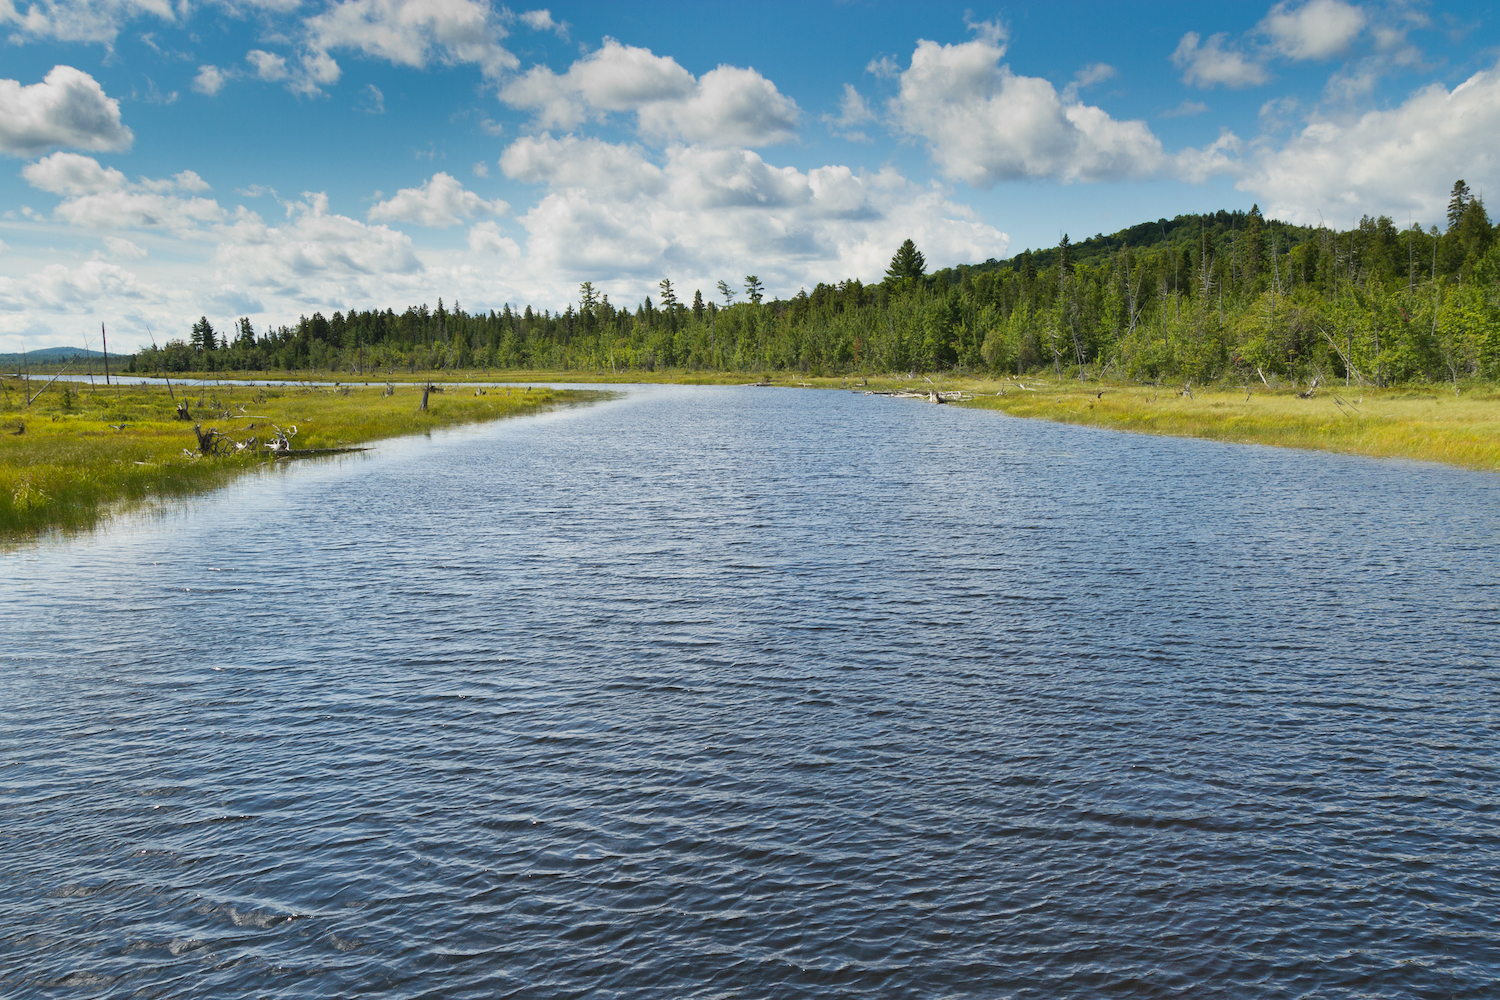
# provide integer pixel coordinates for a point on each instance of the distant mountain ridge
(59, 355)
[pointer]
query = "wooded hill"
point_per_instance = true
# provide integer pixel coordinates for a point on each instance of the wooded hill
(1227, 296)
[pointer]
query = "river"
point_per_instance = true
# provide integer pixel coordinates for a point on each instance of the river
(742, 692)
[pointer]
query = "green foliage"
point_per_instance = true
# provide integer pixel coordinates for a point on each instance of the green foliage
(1227, 295)
(907, 264)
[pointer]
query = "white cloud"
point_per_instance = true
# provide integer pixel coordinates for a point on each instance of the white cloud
(97, 21)
(1197, 165)
(440, 202)
(1187, 109)
(589, 165)
(485, 237)
(210, 80)
(854, 111)
(1318, 29)
(984, 124)
(1211, 63)
(68, 108)
(726, 106)
(1392, 161)
(72, 176)
(541, 20)
(268, 65)
(707, 212)
(374, 103)
(413, 33)
(1088, 76)
(317, 254)
(101, 197)
(60, 288)
(121, 249)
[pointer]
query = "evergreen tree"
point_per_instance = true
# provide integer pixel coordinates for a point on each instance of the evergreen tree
(907, 263)
(203, 335)
(753, 288)
(1457, 202)
(727, 292)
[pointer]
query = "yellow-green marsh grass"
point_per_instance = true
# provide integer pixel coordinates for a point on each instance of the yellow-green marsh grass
(78, 452)
(1429, 424)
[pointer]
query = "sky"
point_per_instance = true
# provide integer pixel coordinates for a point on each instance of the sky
(162, 160)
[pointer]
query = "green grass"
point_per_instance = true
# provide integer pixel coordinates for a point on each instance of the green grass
(75, 455)
(1426, 424)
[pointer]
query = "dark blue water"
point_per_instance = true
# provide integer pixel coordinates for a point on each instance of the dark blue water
(763, 693)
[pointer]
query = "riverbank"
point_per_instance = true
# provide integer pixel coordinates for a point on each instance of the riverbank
(78, 453)
(1430, 424)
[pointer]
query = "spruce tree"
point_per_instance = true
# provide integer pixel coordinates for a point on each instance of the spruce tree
(908, 263)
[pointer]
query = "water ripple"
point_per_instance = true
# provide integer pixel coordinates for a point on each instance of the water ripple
(760, 693)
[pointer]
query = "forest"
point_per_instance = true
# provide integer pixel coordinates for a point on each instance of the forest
(1222, 297)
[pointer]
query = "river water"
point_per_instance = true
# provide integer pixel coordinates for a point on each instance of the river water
(714, 692)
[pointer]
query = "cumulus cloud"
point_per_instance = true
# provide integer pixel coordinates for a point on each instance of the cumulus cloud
(1319, 29)
(726, 106)
(1211, 63)
(60, 288)
(1315, 30)
(485, 237)
(1396, 160)
(314, 250)
(707, 211)
(268, 65)
(210, 80)
(412, 33)
(68, 108)
(984, 124)
(541, 20)
(102, 198)
(440, 202)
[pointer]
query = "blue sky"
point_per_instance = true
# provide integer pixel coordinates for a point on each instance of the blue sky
(162, 160)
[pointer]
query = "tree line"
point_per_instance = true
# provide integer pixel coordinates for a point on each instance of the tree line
(1212, 297)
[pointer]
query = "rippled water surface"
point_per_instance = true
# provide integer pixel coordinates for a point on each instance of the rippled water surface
(763, 693)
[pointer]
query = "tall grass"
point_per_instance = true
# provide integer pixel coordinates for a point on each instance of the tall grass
(75, 454)
(1427, 425)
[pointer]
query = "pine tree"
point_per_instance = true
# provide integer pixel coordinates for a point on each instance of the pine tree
(908, 263)
(1458, 203)
(203, 335)
(753, 288)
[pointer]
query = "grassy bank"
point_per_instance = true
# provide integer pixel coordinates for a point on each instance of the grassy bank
(1430, 422)
(1426, 424)
(75, 453)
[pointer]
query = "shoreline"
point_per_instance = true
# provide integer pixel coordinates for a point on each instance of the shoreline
(76, 456)
(1457, 425)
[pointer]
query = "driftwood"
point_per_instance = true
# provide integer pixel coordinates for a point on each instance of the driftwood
(49, 382)
(1312, 389)
(214, 443)
(182, 411)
